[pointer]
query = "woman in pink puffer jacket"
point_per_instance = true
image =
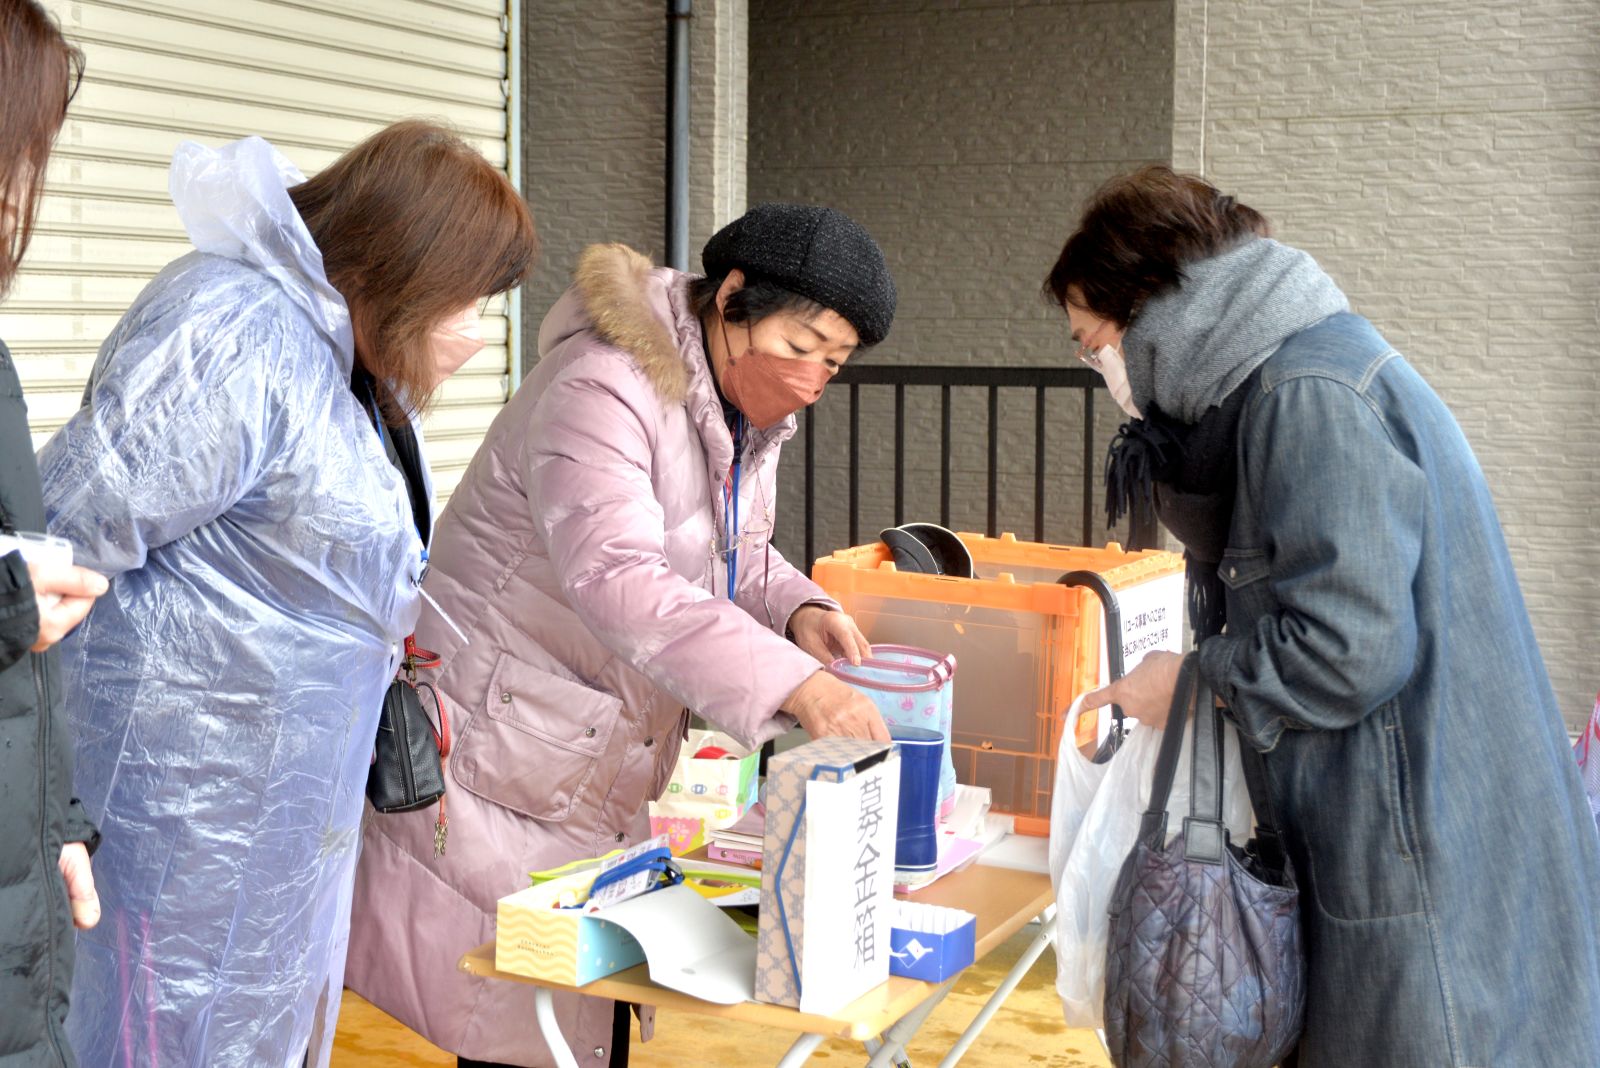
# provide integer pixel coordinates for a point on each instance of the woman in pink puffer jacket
(585, 559)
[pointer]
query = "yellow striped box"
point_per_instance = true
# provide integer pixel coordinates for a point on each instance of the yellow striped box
(534, 936)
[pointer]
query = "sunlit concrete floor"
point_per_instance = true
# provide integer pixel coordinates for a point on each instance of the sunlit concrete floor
(1026, 1033)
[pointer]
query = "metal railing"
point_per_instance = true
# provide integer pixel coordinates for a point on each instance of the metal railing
(853, 379)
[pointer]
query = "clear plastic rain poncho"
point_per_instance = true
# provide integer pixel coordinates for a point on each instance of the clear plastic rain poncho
(225, 692)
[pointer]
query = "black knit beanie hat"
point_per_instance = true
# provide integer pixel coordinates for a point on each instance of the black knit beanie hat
(816, 252)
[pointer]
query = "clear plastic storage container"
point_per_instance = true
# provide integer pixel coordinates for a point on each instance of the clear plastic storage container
(1026, 645)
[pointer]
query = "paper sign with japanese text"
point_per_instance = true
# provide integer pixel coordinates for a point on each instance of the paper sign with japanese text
(832, 807)
(849, 887)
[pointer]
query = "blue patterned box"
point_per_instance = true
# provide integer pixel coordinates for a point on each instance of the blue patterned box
(827, 879)
(930, 942)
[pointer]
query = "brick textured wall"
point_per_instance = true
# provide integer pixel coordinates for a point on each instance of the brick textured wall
(964, 135)
(594, 140)
(1442, 161)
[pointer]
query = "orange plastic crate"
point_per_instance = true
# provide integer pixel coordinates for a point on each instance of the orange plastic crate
(1025, 646)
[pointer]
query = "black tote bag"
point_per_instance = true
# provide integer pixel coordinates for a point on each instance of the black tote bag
(1205, 966)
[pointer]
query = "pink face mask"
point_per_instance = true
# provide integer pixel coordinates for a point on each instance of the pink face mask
(454, 342)
(768, 389)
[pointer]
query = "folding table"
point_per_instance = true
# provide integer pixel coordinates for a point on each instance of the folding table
(1004, 900)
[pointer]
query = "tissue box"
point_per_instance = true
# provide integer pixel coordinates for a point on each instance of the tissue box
(533, 937)
(929, 942)
(828, 881)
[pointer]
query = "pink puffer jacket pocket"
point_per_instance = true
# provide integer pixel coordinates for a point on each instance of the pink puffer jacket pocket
(535, 742)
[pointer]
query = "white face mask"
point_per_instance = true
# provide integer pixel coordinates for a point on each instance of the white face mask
(1108, 361)
(454, 342)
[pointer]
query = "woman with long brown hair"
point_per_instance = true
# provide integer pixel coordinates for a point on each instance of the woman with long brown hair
(246, 468)
(45, 838)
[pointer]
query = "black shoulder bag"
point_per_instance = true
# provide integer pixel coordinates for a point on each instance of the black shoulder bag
(408, 757)
(1205, 966)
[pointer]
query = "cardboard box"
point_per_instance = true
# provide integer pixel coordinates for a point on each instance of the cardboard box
(930, 943)
(533, 937)
(828, 881)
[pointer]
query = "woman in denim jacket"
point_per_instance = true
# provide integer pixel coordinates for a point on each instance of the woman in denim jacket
(1356, 610)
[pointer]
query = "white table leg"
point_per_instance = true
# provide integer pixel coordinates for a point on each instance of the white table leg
(903, 1029)
(874, 1045)
(800, 1052)
(1046, 936)
(544, 1011)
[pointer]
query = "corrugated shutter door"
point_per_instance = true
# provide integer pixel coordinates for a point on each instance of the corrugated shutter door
(313, 80)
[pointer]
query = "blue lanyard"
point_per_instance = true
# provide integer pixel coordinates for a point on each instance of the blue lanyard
(730, 510)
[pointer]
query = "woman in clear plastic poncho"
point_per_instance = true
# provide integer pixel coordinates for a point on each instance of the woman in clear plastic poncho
(234, 471)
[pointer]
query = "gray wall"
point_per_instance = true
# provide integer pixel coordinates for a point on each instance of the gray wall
(1442, 161)
(594, 131)
(964, 136)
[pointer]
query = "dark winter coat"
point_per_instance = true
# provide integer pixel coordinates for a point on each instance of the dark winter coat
(1379, 654)
(37, 811)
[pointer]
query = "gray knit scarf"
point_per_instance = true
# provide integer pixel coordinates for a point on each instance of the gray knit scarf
(1189, 348)
(1190, 354)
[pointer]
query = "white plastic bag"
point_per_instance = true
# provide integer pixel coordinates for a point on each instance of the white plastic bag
(1094, 820)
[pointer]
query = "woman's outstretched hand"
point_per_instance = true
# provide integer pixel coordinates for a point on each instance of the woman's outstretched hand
(65, 594)
(1145, 693)
(79, 877)
(828, 634)
(828, 708)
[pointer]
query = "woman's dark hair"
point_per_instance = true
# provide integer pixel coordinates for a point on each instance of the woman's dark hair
(413, 224)
(1137, 233)
(758, 299)
(39, 75)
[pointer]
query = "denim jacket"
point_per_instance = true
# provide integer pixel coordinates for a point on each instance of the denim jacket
(1378, 652)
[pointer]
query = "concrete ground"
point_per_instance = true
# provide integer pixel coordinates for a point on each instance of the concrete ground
(1026, 1033)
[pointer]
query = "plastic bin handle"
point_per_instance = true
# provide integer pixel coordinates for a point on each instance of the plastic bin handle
(1113, 612)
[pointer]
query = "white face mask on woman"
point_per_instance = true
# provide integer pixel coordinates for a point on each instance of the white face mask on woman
(1108, 361)
(455, 341)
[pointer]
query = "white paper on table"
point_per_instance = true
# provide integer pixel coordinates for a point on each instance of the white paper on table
(850, 839)
(1019, 852)
(690, 945)
(968, 814)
